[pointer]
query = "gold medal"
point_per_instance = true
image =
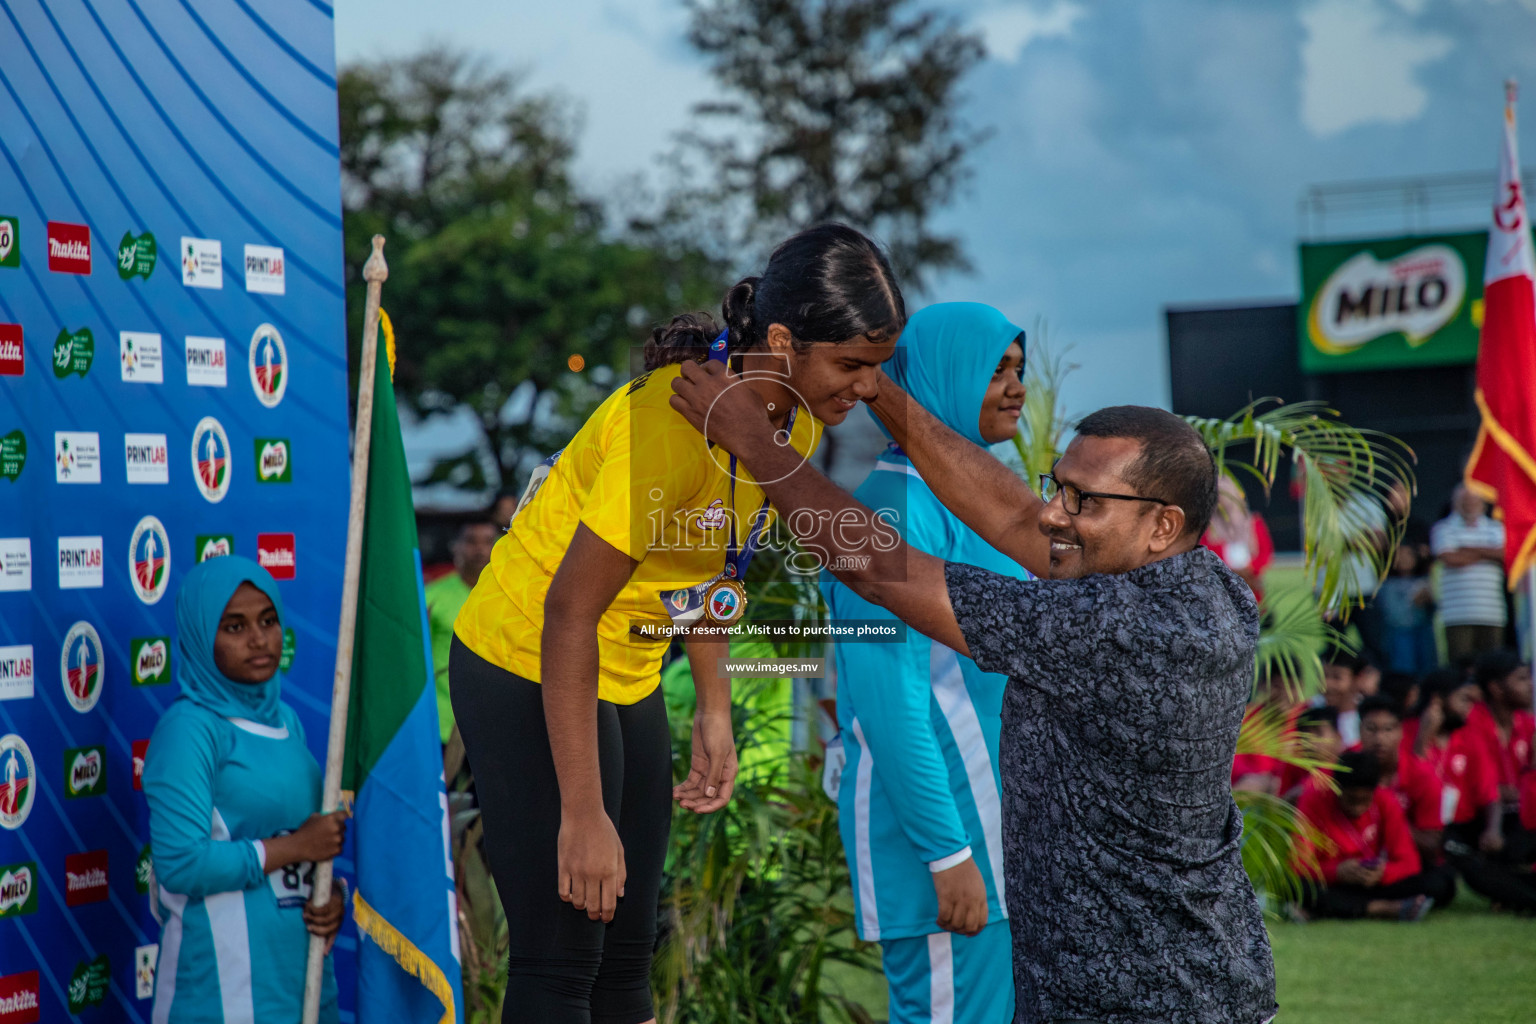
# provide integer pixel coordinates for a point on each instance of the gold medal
(725, 602)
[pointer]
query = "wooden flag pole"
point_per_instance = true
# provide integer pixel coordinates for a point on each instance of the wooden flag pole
(375, 271)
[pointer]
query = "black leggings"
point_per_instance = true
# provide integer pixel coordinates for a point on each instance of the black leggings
(564, 968)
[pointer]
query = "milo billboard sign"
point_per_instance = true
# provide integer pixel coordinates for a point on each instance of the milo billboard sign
(1414, 301)
(85, 771)
(150, 659)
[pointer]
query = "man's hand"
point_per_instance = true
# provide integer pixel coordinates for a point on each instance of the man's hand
(1352, 872)
(720, 405)
(326, 921)
(712, 771)
(962, 898)
(1492, 840)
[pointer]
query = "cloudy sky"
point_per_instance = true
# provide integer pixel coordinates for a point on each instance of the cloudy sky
(1144, 154)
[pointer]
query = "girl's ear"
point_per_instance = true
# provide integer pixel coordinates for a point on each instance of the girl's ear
(780, 341)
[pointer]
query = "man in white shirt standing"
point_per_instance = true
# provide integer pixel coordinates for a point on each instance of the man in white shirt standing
(1470, 547)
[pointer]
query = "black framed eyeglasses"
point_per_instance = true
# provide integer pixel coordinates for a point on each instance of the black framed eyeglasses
(1072, 497)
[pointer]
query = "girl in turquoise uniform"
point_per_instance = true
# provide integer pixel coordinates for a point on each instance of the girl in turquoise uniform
(918, 805)
(233, 793)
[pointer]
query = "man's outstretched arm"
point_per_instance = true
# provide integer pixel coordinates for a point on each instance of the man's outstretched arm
(982, 492)
(869, 557)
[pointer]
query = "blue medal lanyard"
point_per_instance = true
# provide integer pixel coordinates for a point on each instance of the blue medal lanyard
(736, 561)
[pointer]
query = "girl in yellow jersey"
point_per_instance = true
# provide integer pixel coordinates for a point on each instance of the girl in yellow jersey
(556, 660)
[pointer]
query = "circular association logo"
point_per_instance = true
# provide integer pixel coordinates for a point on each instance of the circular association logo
(679, 600)
(269, 365)
(210, 459)
(82, 667)
(724, 604)
(149, 559)
(18, 781)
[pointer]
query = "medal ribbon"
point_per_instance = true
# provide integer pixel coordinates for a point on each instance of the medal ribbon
(736, 561)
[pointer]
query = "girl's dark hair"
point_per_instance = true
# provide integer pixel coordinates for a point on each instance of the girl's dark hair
(829, 283)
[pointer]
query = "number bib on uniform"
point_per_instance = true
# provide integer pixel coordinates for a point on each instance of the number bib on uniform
(293, 884)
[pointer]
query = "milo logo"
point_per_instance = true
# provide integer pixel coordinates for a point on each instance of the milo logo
(272, 460)
(85, 772)
(10, 250)
(214, 545)
(136, 256)
(73, 353)
(150, 658)
(88, 985)
(18, 890)
(13, 454)
(144, 871)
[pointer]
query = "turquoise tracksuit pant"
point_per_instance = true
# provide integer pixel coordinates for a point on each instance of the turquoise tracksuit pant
(946, 978)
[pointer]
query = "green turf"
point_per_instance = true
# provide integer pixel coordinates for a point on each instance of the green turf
(1463, 965)
(1460, 966)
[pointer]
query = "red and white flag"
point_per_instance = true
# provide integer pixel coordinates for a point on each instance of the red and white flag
(1503, 465)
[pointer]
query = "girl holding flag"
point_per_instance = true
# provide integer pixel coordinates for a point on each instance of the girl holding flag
(234, 796)
(638, 525)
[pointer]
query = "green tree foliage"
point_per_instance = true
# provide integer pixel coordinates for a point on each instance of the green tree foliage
(501, 268)
(831, 110)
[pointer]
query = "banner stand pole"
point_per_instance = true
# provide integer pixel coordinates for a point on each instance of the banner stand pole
(375, 272)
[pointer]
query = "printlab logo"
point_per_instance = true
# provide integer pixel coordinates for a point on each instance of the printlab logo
(140, 752)
(275, 553)
(16, 676)
(140, 355)
(88, 985)
(18, 889)
(272, 461)
(136, 256)
(214, 545)
(80, 665)
(15, 563)
(73, 353)
(85, 772)
(77, 457)
(149, 560)
(13, 454)
(264, 270)
(18, 781)
(80, 562)
(269, 363)
(202, 263)
(85, 877)
(205, 362)
(150, 659)
(210, 459)
(13, 354)
(69, 248)
(19, 998)
(10, 242)
(144, 961)
(148, 458)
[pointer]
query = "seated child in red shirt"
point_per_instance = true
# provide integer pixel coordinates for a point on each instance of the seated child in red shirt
(1366, 864)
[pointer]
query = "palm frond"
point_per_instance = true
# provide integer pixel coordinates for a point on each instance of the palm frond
(1347, 475)
(1038, 439)
(1292, 635)
(1277, 840)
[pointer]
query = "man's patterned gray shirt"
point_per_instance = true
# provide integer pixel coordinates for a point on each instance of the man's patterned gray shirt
(1125, 883)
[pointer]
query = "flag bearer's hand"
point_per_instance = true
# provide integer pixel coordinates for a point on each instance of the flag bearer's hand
(326, 921)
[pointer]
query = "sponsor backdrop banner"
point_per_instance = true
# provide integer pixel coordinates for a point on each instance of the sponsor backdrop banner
(172, 387)
(1415, 301)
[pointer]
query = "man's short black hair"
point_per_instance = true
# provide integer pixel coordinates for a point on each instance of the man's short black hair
(472, 520)
(1309, 719)
(1174, 466)
(1380, 702)
(1360, 770)
(1496, 665)
(1338, 657)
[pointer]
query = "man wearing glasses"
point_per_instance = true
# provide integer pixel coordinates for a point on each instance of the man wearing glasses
(1129, 668)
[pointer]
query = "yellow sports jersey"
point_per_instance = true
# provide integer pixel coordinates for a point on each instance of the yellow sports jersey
(641, 478)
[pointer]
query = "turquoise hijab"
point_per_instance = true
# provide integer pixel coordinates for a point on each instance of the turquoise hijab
(945, 359)
(200, 604)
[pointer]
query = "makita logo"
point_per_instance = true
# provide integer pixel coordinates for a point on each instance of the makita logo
(85, 878)
(69, 248)
(18, 998)
(13, 359)
(275, 552)
(140, 752)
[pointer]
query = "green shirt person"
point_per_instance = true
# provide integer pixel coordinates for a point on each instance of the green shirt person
(446, 595)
